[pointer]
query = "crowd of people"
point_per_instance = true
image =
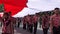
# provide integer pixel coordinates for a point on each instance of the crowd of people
(30, 22)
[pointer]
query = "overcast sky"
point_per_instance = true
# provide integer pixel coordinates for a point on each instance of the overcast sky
(35, 6)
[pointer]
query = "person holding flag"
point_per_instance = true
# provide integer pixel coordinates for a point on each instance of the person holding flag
(7, 24)
(24, 22)
(45, 23)
(35, 22)
(55, 22)
(31, 24)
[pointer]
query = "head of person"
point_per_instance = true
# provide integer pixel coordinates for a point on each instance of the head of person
(6, 15)
(37, 14)
(43, 15)
(46, 14)
(28, 15)
(9, 13)
(56, 10)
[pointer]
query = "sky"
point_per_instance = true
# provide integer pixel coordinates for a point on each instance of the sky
(35, 6)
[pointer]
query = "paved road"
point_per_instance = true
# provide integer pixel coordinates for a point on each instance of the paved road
(21, 31)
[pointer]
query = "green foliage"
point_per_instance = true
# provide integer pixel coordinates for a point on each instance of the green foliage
(1, 8)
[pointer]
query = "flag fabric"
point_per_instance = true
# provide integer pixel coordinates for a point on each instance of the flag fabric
(34, 6)
(14, 6)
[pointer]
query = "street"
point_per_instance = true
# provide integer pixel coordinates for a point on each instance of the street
(21, 31)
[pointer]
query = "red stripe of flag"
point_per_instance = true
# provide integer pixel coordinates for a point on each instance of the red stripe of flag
(14, 6)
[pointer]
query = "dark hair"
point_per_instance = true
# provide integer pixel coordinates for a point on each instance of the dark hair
(10, 12)
(5, 13)
(56, 9)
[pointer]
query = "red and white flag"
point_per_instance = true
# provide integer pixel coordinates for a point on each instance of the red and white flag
(18, 7)
(14, 6)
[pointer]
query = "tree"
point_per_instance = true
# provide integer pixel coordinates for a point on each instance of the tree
(1, 8)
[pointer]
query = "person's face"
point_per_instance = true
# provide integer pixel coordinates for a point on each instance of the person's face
(56, 11)
(43, 15)
(6, 16)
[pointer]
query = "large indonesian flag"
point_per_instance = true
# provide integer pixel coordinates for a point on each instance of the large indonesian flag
(17, 7)
(14, 6)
